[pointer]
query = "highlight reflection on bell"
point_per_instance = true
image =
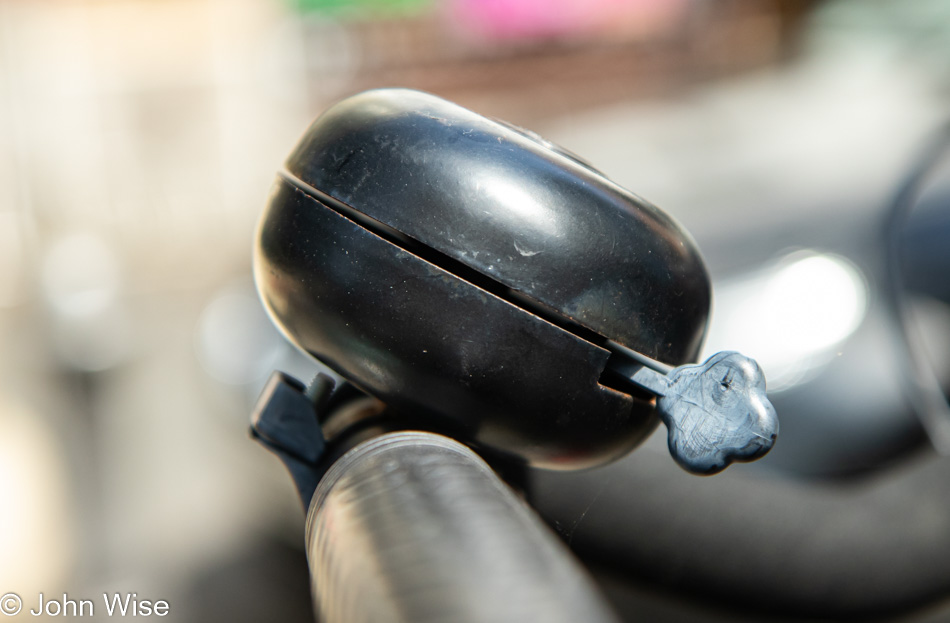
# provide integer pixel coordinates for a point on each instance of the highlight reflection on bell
(536, 317)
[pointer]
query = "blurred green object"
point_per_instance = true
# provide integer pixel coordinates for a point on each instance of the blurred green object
(364, 8)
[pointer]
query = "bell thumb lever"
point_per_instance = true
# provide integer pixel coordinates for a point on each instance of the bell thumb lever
(716, 413)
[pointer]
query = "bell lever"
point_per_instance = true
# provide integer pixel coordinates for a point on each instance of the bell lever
(716, 413)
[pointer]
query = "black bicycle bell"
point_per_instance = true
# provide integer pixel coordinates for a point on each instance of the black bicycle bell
(479, 278)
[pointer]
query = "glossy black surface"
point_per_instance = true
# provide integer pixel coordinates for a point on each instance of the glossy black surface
(425, 341)
(463, 271)
(516, 211)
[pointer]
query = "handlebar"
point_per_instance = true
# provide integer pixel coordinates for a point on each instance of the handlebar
(414, 526)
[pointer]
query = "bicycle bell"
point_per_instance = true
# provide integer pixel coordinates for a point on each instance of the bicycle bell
(497, 289)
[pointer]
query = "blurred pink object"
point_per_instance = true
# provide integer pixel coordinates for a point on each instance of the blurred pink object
(537, 19)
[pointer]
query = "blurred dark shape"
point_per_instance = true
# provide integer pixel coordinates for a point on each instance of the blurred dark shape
(926, 247)
(268, 580)
(922, 385)
(755, 546)
(760, 548)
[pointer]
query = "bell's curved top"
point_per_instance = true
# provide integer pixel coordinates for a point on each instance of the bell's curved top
(517, 210)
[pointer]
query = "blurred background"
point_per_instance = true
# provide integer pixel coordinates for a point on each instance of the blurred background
(138, 142)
